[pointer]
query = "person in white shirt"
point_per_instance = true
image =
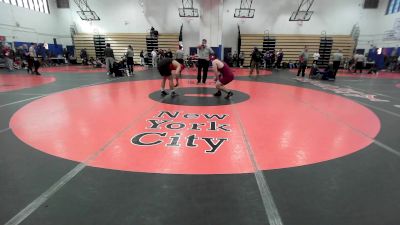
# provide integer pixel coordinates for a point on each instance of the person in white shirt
(337, 57)
(241, 59)
(154, 58)
(316, 57)
(359, 59)
(303, 57)
(33, 60)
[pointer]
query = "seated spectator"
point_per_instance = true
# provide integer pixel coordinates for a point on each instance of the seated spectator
(228, 59)
(98, 63)
(272, 57)
(91, 61)
(393, 64)
(84, 56)
(8, 57)
(169, 54)
(371, 66)
(291, 65)
(234, 59)
(326, 74)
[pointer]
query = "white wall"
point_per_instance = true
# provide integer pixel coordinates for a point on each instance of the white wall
(211, 21)
(375, 24)
(334, 17)
(129, 16)
(119, 16)
(35, 26)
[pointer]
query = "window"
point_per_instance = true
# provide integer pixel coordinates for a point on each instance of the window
(393, 7)
(26, 4)
(35, 5)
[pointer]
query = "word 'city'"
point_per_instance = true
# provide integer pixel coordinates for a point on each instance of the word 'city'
(158, 131)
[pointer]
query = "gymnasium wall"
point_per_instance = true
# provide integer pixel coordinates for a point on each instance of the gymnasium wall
(375, 25)
(137, 16)
(335, 17)
(130, 16)
(35, 26)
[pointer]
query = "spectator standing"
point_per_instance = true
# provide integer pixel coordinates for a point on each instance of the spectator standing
(32, 55)
(279, 59)
(109, 54)
(146, 57)
(256, 57)
(152, 32)
(316, 57)
(154, 58)
(359, 59)
(303, 58)
(241, 59)
(235, 59)
(337, 57)
(7, 52)
(141, 58)
(129, 59)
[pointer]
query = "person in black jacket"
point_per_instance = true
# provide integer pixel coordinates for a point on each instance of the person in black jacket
(129, 59)
(255, 61)
(109, 54)
(84, 56)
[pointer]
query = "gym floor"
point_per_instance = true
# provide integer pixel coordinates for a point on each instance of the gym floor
(78, 147)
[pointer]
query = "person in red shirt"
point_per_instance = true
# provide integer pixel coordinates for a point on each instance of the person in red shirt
(223, 76)
(165, 67)
(8, 57)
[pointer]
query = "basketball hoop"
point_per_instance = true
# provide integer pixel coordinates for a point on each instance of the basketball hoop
(300, 23)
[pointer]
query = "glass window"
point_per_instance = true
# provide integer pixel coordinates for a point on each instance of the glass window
(393, 7)
(41, 6)
(46, 6)
(36, 5)
(31, 6)
(396, 6)
(26, 4)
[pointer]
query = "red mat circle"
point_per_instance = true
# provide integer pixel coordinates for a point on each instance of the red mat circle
(285, 126)
(13, 82)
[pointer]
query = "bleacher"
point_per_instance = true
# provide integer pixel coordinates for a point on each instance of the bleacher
(119, 43)
(168, 41)
(82, 41)
(292, 45)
